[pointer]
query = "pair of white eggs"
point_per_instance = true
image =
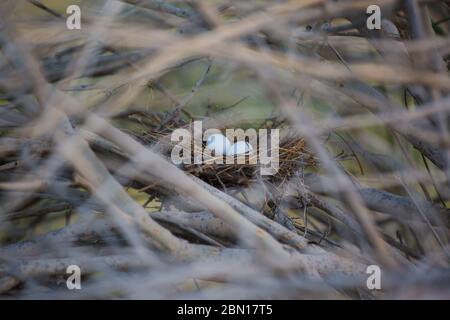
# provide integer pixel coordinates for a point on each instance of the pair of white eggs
(222, 146)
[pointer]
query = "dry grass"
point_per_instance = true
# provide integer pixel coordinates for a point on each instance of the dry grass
(86, 177)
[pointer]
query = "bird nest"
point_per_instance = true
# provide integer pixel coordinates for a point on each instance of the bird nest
(293, 156)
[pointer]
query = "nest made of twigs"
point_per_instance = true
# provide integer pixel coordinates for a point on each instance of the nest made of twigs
(293, 156)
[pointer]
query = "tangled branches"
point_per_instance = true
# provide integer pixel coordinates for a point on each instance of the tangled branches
(86, 177)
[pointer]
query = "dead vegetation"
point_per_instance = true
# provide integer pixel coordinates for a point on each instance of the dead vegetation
(86, 177)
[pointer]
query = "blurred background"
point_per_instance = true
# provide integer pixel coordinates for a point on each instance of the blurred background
(86, 176)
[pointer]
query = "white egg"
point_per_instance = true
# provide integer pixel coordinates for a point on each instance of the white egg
(240, 147)
(219, 143)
